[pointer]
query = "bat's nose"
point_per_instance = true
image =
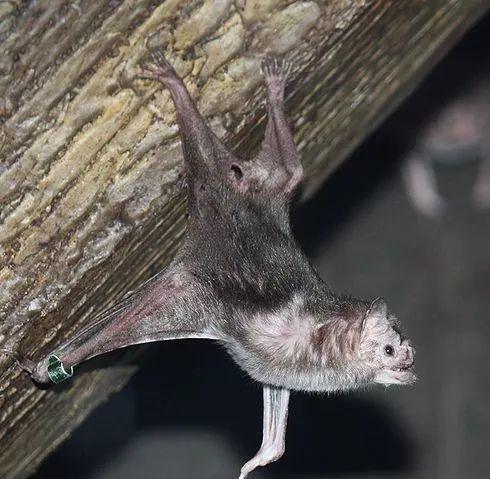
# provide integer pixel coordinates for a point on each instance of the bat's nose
(409, 356)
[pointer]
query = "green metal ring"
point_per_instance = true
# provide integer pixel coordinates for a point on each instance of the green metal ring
(56, 370)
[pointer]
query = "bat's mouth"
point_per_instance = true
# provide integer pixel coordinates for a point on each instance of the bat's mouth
(400, 369)
(396, 375)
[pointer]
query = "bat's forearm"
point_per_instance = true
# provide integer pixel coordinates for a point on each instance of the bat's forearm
(95, 339)
(163, 311)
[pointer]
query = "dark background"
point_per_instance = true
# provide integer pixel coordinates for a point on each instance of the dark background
(190, 413)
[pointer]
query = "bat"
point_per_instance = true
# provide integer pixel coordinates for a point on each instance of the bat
(456, 132)
(241, 279)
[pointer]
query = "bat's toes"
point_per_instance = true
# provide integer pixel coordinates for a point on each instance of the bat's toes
(160, 69)
(159, 59)
(275, 72)
(275, 68)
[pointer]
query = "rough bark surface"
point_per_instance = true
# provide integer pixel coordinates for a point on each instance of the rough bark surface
(91, 197)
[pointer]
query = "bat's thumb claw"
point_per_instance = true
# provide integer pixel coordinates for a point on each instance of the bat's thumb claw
(23, 363)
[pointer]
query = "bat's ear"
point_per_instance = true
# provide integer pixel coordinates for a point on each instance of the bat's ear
(378, 308)
(376, 316)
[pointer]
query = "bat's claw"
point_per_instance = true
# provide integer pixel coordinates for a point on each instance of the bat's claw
(159, 70)
(276, 71)
(37, 371)
(160, 61)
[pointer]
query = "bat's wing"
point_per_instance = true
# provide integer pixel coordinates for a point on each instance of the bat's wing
(169, 306)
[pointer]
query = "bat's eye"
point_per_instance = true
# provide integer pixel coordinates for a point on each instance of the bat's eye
(389, 350)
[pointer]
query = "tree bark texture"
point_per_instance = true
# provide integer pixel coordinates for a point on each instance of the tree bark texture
(91, 191)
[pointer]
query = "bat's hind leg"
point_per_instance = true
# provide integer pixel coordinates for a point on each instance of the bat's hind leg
(276, 403)
(278, 153)
(204, 153)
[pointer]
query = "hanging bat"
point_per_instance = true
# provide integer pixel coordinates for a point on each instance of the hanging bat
(241, 279)
(456, 132)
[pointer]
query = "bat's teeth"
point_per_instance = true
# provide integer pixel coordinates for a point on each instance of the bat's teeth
(398, 369)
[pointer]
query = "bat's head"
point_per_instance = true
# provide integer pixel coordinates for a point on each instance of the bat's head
(324, 346)
(382, 348)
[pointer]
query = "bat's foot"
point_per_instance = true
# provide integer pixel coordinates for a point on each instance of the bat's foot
(267, 454)
(276, 71)
(161, 70)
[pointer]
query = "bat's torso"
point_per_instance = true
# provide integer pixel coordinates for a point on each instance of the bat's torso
(243, 250)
